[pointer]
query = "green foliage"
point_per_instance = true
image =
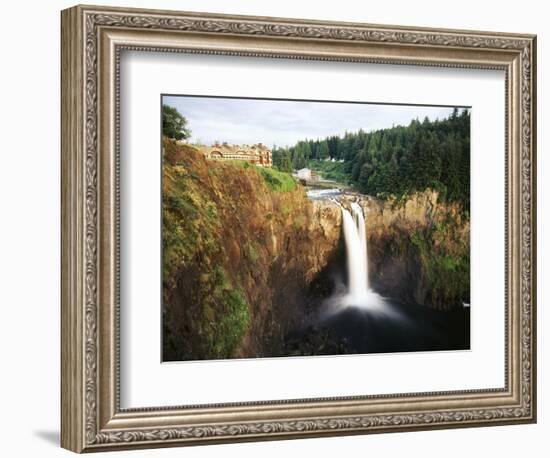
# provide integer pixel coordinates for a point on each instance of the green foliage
(448, 273)
(225, 317)
(330, 170)
(282, 160)
(299, 157)
(277, 181)
(206, 207)
(192, 225)
(174, 125)
(252, 251)
(322, 150)
(398, 161)
(237, 163)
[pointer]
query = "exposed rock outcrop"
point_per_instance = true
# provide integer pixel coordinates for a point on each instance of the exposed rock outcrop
(240, 245)
(244, 249)
(419, 250)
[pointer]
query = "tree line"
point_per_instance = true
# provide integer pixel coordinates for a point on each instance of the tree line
(396, 161)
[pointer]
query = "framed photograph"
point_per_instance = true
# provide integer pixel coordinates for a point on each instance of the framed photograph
(278, 228)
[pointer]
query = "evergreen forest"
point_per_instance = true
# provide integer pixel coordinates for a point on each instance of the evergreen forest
(396, 161)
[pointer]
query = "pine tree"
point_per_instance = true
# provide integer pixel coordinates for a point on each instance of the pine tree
(358, 166)
(323, 150)
(400, 160)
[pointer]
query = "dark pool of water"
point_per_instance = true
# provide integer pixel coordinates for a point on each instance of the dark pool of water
(394, 328)
(409, 328)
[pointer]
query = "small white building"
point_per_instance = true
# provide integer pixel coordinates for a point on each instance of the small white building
(304, 174)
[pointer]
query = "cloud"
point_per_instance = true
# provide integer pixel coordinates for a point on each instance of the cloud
(284, 122)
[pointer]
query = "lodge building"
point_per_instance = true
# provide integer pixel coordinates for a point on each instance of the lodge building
(257, 154)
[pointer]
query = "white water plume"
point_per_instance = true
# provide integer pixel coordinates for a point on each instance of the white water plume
(355, 254)
(359, 294)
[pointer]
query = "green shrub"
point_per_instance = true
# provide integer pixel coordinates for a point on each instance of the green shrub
(448, 274)
(226, 317)
(335, 171)
(252, 251)
(277, 181)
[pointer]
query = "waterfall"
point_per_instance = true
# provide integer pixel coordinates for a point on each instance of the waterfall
(356, 251)
(360, 221)
(359, 293)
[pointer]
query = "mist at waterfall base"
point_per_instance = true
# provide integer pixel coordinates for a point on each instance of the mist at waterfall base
(359, 294)
(355, 319)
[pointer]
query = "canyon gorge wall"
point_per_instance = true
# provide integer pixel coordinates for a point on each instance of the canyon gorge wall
(244, 251)
(240, 247)
(419, 250)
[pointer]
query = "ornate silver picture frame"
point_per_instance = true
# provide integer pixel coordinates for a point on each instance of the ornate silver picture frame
(93, 39)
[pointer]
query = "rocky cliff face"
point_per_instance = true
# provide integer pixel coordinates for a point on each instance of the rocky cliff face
(301, 240)
(419, 250)
(240, 246)
(247, 256)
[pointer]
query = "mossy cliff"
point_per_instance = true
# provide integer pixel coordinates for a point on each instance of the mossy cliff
(244, 250)
(240, 246)
(419, 250)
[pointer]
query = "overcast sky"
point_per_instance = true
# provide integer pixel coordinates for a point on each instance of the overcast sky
(283, 123)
